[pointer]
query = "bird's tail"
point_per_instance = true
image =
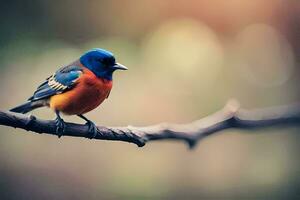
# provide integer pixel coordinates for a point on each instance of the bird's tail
(28, 106)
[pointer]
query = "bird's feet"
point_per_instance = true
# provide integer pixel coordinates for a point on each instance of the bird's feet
(60, 126)
(93, 130)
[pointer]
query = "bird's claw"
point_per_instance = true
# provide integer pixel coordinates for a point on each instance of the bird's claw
(93, 130)
(60, 127)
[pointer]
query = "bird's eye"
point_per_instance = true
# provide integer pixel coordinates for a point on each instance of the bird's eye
(106, 62)
(103, 62)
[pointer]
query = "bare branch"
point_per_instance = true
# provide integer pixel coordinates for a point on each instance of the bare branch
(231, 116)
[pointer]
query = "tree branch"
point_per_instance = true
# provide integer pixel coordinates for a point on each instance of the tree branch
(231, 116)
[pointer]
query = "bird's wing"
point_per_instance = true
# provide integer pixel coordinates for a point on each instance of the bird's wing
(62, 80)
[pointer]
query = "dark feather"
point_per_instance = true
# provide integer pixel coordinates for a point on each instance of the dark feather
(28, 106)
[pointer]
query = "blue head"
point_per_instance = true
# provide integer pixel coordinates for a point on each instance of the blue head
(101, 62)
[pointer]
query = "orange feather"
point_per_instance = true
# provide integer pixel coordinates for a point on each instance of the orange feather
(89, 92)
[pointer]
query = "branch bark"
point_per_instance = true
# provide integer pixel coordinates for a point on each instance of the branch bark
(231, 116)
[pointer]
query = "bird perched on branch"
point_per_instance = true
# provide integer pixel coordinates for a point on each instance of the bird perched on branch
(76, 89)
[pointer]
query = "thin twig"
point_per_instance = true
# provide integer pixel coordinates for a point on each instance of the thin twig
(231, 116)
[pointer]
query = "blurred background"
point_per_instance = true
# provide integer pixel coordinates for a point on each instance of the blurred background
(186, 59)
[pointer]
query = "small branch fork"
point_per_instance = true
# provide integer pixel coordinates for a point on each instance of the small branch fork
(231, 116)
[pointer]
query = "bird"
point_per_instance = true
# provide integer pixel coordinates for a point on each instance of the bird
(76, 88)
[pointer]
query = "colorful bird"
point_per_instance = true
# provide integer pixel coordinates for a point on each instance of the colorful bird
(76, 89)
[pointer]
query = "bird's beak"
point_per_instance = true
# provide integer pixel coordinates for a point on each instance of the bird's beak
(119, 66)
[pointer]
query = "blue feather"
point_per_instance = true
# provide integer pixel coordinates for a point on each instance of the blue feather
(100, 62)
(63, 80)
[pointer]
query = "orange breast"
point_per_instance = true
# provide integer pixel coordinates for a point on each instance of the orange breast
(88, 94)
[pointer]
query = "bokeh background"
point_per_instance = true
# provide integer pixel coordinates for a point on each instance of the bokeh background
(186, 59)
